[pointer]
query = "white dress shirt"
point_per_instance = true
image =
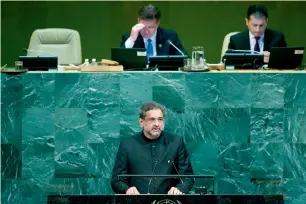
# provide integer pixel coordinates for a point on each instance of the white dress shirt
(129, 43)
(260, 41)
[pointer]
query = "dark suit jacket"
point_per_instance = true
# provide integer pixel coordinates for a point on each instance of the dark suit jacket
(139, 155)
(241, 41)
(162, 46)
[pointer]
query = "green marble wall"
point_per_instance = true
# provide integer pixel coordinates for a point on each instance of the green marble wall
(60, 131)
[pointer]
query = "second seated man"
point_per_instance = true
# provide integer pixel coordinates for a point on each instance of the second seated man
(258, 37)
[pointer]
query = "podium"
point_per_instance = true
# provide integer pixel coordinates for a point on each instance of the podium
(165, 199)
(198, 189)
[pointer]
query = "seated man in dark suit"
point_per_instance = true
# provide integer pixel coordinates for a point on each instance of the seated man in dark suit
(147, 34)
(151, 152)
(258, 37)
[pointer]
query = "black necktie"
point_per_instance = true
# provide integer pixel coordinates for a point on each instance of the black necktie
(256, 47)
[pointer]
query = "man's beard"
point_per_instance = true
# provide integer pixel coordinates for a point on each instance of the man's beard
(155, 133)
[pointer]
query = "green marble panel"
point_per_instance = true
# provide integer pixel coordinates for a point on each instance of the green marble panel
(267, 125)
(267, 90)
(71, 132)
(295, 125)
(60, 131)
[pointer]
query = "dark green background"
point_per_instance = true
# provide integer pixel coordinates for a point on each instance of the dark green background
(101, 24)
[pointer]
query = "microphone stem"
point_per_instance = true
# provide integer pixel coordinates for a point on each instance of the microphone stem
(177, 171)
(176, 48)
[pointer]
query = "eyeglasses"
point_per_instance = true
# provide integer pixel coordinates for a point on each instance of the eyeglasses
(152, 120)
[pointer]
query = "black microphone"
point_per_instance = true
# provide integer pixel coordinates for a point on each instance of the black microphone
(176, 170)
(38, 51)
(169, 41)
(150, 181)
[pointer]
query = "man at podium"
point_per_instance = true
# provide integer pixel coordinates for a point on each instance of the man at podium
(152, 152)
(147, 34)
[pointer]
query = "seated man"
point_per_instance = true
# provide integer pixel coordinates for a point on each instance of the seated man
(147, 34)
(258, 37)
(152, 152)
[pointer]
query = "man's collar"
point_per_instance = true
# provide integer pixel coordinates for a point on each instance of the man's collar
(151, 140)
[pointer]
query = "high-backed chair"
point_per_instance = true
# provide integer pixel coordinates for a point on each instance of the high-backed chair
(226, 42)
(63, 43)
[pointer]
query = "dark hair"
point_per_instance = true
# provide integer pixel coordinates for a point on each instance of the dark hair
(150, 106)
(149, 12)
(257, 11)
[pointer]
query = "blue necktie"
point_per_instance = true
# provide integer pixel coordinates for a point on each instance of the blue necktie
(149, 49)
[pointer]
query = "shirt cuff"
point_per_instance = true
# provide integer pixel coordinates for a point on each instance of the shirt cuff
(129, 43)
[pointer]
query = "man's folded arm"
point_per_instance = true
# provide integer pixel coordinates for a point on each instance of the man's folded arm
(120, 185)
(184, 168)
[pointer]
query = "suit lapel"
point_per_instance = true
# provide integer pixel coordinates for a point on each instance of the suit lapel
(159, 42)
(139, 42)
(246, 41)
(267, 40)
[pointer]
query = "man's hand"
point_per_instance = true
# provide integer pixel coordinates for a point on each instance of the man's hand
(266, 56)
(174, 191)
(132, 191)
(135, 31)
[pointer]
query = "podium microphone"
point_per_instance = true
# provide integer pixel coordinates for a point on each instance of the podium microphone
(38, 51)
(150, 181)
(169, 41)
(175, 170)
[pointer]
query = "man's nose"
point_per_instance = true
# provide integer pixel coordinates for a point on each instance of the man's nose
(156, 123)
(257, 28)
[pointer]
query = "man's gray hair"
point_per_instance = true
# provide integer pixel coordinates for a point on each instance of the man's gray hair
(150, 106)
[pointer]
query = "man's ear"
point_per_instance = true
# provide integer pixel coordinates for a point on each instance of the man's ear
(246, 21)
(157, 23)
(140, 120)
